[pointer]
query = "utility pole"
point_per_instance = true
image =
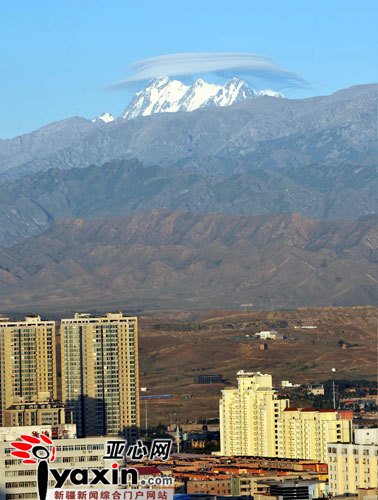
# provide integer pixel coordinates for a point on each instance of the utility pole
(178, 437)
(333, 393)
(333, 389)
(146, 412)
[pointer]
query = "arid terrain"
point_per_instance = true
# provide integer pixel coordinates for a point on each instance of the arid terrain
(174, 347)
(182, 261)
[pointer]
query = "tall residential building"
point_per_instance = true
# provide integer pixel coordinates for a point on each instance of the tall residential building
(100, 373)
(249, 416)
(28, 373)
(306, 432)
(253, 421)
(354, 466)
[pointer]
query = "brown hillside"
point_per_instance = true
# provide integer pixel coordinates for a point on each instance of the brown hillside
(176, 347)
(184, 261)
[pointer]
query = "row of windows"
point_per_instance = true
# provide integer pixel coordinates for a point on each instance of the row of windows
(19, 473)
(20, 496)
(344, 451)
(21, 484)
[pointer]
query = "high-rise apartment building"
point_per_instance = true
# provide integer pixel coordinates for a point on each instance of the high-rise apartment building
(249, 416)
(100, 373)
(306, 432)
(253, 421)
(28, 373)
(354, 466)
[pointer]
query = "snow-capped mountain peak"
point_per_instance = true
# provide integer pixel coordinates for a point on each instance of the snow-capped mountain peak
(166, 95)
(104, 117)
(233, 91)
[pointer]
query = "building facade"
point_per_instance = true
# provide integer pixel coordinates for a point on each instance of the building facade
(28, 372)
(221, 486)
(100, 373)
(254, 422)
(298, 489)
(249, 416)
(354, 466)
(305, 433)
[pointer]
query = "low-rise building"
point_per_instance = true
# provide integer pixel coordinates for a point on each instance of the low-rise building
(211, 486)
(209, 378)
(316, 390)
(286, 383)
(35, 413)
(269, 334)
(248, 485)
(298, 489)
(367, 493)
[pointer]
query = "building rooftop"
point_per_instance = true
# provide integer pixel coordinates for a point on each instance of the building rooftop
(149, 470)
(242, 373)
(291, 483)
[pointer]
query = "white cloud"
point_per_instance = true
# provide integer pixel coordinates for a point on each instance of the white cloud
(226, 64)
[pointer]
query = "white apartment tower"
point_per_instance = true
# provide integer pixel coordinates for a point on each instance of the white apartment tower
(249, 416)
(255, 422)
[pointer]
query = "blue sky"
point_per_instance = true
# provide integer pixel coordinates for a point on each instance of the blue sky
(58, 57)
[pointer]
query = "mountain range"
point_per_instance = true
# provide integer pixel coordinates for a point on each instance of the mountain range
(192, 208)
(166, 95)
(33, 203)
(263, 132)
(181, 260)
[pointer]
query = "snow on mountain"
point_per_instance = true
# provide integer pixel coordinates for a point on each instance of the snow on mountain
(169, 96)
(166, 95)
(104, 117)
(233, 91)
(270, 93)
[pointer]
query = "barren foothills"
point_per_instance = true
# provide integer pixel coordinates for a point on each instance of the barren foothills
(174, 347)
(180, 260)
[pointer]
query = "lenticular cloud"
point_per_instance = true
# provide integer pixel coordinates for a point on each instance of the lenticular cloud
(219, 63)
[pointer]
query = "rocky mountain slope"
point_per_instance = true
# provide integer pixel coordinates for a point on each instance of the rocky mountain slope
(180, 260)
(31, 204)
(264, 132)
(208, 172)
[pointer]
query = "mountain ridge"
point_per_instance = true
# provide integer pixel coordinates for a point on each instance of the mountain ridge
(166, 95)
(334, 129)
(146, 258)
(31, 204)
